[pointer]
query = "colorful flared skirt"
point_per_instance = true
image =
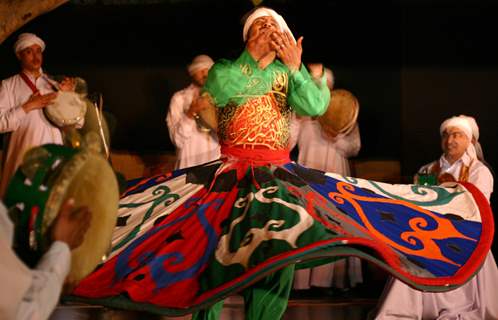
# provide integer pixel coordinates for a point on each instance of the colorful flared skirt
(187, 239)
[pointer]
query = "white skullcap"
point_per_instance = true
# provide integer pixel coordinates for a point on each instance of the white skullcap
(473, 126)
(200, 62)
(460, 122)
(265, 12)
(469, 126)
(27, 40)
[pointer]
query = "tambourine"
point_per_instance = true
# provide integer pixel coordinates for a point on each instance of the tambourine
(342, 113)
(49, 175)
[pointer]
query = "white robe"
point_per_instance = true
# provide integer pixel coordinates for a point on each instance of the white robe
(27, 130)
(29, 294)
(193, 146)
(477, 299)
(318, 152)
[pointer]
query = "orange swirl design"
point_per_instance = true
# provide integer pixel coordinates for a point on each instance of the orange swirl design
(429, 250)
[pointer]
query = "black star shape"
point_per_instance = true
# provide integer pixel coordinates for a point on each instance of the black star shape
(175, 236)
(453, 217)
(159, 220)
(454, 247)
(139, 277)
(121, 222)
(387, 216)
(202, 174)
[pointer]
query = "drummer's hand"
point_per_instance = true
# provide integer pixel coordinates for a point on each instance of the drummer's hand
(38, 101)
(198, 104)
(71, 224)
(287, 50)
(68, 84)
(316, 70)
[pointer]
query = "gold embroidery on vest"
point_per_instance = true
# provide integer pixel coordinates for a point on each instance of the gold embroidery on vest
(262, 121)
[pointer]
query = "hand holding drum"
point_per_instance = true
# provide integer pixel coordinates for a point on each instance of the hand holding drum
(71, 224)
(67, 84)
(38, 101)
(70, 227)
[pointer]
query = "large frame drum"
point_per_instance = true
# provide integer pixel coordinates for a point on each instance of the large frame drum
(67, 109)
(341, 115)
(49, 175)
(207, 119)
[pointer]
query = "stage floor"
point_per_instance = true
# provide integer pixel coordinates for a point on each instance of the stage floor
(330, 308)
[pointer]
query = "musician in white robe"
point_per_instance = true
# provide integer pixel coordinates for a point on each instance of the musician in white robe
(329, 154)
(477, 299)
(194, 145)
(22, 99)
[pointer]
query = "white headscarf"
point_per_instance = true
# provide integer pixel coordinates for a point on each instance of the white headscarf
(469, 126)
(27, 40)
(200, 62)
(265, 12)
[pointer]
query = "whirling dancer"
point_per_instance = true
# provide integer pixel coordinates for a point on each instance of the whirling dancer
(187, 239)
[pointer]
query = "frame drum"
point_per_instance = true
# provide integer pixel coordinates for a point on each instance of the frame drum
(207, 120)
(49, 175)
(342, 113)
(68, 108)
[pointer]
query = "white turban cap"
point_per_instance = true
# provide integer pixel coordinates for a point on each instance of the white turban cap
(469, 126)
(200, 62)
(27, 40)
(265, 12)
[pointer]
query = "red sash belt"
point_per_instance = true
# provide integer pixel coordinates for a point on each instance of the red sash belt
(257, 156)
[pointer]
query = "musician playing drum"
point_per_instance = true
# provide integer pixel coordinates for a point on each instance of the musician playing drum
(22, 100)
(194, 143)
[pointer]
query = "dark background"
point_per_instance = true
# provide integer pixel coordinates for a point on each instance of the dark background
(411, 63)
